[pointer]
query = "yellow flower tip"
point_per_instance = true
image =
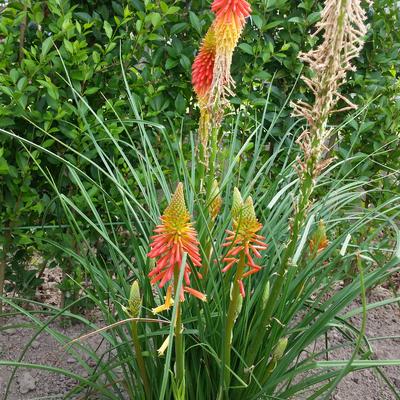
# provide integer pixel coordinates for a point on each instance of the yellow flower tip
(159, 309)
(169, 302)
(163, 347)
(176, 210)
(248, 213)
(237, 203)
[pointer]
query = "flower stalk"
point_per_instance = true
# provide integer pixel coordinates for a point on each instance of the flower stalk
(212, 79)
(179, 346)
(133, 310)
(343, 25)
(233, 312)
(244, 243)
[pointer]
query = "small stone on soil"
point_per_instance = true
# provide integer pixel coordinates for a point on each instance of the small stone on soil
(26, 383)
(396, 381)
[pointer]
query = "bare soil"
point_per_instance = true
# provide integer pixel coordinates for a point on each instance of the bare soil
(29, 384)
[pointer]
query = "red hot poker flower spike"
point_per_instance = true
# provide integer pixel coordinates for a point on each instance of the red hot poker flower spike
(228, 26)
(243, 239)
(203, 66)
(228, 10)
(202, 77)
(174, 237)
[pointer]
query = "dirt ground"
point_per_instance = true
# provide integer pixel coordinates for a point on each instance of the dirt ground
(31, 384)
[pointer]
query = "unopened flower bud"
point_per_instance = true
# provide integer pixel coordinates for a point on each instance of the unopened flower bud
(216, 200)
(319, 240)
(265, 296)
(280, 348)
(135, 301)
(239, 304)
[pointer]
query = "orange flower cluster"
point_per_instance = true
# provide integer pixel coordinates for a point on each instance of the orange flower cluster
(202, 77)
(174, 237)
(243, 239)
(211, 77)
(203, 66)
(228, 26)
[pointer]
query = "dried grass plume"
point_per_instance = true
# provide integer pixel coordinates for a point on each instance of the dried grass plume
(343, 26)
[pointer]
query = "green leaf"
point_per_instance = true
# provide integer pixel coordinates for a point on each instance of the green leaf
(273, 24)
(313, 17)
(185, 62)
(173, 10)
(178, 28)
(258, 21)
(14, 74)
(68, 45)
(180, 104)
(155, 19)
(92, 90)
(246, 48)
(171, 63)
(108, 29)
(3, 166)
(195, 22)
(46, 45)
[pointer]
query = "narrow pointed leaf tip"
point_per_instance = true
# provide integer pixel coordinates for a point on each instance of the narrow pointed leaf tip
(174, 237)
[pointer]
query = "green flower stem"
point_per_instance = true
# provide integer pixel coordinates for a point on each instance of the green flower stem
(201, 166)
(140, 360)
(233, 311)
(212, 163)
(209, 182)
(179, 351)
(307, 182)
(306, 189)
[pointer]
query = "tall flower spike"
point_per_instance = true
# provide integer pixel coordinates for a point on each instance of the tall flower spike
(228, 26)
(174, 237)
(202, 77)
(211, 76)
(203, 65)
(243, 238)
(343, 24)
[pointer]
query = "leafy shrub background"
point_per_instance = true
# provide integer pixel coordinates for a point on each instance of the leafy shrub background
(156, 43)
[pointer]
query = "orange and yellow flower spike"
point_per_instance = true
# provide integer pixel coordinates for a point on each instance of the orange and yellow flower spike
(211, 77)
(243, 239)
(202, 78)
(229, 22)
(174, 237)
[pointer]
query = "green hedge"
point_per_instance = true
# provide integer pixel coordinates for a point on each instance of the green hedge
(157, 42)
